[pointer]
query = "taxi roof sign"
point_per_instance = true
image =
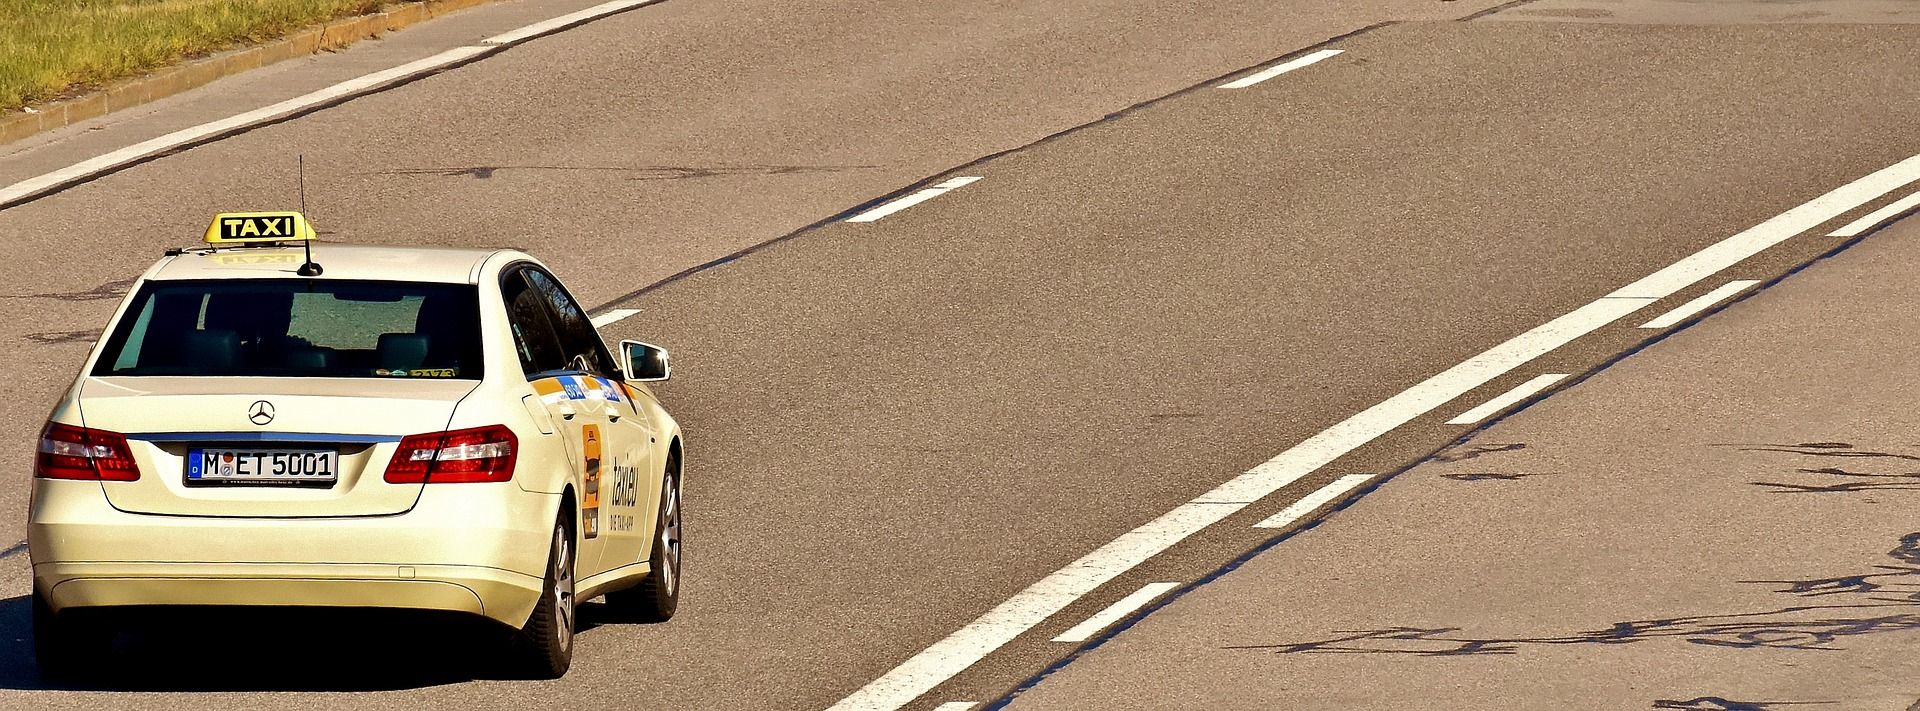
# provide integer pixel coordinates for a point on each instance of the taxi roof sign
(257, 227)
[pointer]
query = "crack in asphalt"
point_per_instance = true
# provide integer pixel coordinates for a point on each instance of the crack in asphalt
(62, 337)
(1475, 451)
(647, 173)
(1717, 703)
(1491, 476)
(110, 290)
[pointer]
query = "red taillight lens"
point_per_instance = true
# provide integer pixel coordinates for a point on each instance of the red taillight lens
(68, 452)
(480, 454)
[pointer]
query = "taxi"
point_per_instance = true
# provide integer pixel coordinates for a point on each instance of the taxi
(270, 423)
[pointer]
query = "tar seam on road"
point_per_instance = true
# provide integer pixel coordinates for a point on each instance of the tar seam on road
(928, 181)
(1502, 7)
(1230, 566)
(14, 550)
(15, 195)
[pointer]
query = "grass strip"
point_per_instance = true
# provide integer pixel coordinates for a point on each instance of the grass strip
(52, 47)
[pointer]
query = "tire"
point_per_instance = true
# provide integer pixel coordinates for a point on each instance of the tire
(546, 641)
(658, 595)
(64, 647)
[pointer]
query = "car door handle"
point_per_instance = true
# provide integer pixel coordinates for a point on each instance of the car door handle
(613, 415)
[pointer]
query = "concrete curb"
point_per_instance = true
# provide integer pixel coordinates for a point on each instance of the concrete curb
(174, 80)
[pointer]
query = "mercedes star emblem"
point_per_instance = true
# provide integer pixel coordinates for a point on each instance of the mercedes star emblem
(260, 413)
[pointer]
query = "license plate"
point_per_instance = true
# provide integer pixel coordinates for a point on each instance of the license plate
(262, 466)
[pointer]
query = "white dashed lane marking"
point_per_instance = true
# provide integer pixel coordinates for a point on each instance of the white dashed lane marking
(611, 317)
(912, 200)
(1299, 509)
(1873, 219)
(1507, 399)
(1278, 69)
(1700, 303)
(1105, 618)
(1002, 624)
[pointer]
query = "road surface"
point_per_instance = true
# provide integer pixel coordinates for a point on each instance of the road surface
(897, 426)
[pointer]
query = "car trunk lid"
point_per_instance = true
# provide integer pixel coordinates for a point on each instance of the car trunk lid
(166, 419)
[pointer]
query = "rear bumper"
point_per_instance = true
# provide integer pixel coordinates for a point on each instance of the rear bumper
(478, 549)
(502, 596)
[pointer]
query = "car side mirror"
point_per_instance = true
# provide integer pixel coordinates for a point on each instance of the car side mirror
(644, 362)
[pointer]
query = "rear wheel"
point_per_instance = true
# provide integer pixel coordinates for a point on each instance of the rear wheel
(63, 645)
(658, 595)
(547, 639)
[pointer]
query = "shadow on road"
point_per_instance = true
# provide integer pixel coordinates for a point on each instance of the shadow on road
(1885, 598)
(261, 650)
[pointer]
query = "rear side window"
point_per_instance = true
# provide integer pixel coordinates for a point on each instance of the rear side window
(581, 341)
(533, 333)
(298, 328)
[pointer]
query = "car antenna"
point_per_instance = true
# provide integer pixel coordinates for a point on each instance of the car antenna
(311, 268)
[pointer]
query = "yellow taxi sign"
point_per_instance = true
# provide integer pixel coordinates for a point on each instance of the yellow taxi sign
(245, 227)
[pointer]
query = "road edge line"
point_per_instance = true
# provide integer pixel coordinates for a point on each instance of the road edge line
(100, 166)
(1374, 485)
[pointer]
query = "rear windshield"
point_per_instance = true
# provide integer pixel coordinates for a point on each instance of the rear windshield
(298, 328)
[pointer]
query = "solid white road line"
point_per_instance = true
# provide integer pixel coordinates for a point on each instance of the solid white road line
(1732, 250)
(1027, 608)
(565, 21)
(956, 706)
(912, 200)
(973, 642)
(1873, 219)
(1329, 444)
(368, 84)
(612, 317)
(1306, 505)
(1700, 303)
(1278, 69)
(1126, 605)
(1507, 399)
(145, 149)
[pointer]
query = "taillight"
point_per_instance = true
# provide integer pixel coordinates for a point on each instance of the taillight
(480, 454)
(68, 452)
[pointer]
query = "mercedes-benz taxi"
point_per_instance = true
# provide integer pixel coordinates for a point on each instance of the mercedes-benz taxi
(270, 422)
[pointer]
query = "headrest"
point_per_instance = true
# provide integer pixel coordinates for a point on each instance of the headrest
(402, 351)
(251, 315)
(211, 349)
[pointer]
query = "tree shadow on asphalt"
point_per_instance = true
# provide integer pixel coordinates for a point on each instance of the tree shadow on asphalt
(1870, 470)
(267, 650)
(1883, 599)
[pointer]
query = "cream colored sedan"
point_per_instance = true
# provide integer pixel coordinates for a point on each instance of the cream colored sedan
(417, 428)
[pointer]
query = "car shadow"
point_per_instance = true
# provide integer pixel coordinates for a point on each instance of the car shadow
(276, 650)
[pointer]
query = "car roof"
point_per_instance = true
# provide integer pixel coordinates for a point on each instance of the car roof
(454, 265)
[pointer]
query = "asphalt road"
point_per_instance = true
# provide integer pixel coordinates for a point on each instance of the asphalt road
(896, 425)
(1746, 545)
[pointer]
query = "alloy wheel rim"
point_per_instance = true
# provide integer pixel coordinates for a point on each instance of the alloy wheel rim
(670, 537)
(563, 587)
